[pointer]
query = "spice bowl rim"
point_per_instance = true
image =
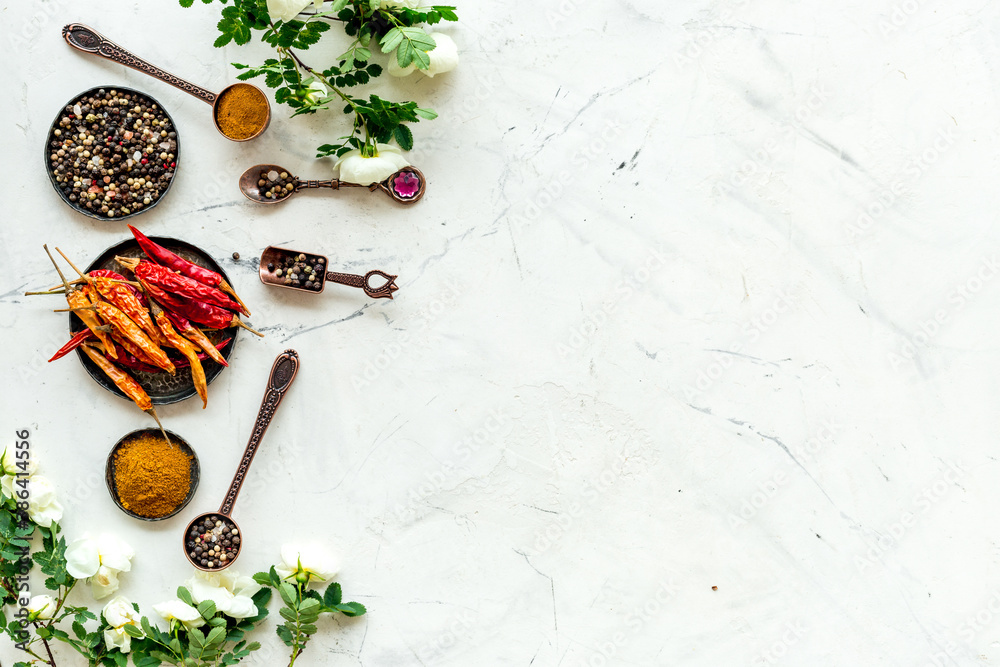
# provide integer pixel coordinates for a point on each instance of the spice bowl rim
(215, 110)
(51, 174)
(176, 439)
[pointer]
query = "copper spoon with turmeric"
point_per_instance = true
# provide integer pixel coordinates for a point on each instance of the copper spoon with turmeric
(406, 186)
(255, 115)
(282, 373)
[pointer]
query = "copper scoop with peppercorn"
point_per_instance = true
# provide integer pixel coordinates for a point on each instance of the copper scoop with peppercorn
(213, 540)
(281, 267)
(270, 184)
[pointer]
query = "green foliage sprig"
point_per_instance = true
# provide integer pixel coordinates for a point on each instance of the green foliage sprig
(221, 641)
(32, 633)
(308, 89)
(303, 607)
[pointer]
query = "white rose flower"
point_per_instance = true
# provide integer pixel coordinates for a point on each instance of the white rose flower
(240, 607)
(100, 559)
(10, 468)
(7, 486)
(43, 508)
(356, 168)
(104, 582)
(444, 58)
(8, 462)
(408, 4)
(204, 586)
(286, 10)
(306, 563)
(175, 610)
(231, 593)
(316, 90)
(43, 606)
(9, 478)
(239, 585)
(119, 613)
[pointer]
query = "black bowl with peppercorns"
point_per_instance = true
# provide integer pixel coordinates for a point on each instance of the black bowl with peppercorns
(112, 152)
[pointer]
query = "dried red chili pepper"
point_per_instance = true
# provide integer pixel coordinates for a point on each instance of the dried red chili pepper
(179, 285)
(185, 348)
(202, 356)
(113, 275)
(122, 298)
(125, 382)
(195, 335)
(74, 342)
(129, 330)
(125, 358)
(77, 300)
(197, 311)
(129, 360)
(122, 380)
(123, 343)
(174, 262)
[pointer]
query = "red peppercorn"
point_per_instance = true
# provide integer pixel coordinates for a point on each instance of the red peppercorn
(144, 160)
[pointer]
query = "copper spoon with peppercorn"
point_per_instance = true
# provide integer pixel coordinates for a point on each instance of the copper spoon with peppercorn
(281, 267)
(213, 540)
(86, 39)
(271, 184)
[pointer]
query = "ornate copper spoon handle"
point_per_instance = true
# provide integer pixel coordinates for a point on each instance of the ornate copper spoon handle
(406, 186)
(334, 184)
(88, 40)
(305, 185)
(352, 280)
(282, 373)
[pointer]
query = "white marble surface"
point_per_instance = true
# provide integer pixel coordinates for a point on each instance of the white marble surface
(647, 340)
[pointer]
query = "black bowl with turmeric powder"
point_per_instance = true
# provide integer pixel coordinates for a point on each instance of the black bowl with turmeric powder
(150, 478)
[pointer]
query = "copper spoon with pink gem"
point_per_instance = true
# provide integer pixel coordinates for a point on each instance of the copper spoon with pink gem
(271, 184)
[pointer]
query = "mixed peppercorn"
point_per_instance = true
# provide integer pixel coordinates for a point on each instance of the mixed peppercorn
(213, 541)
(276, 185)
(112, 153)
(303, 271)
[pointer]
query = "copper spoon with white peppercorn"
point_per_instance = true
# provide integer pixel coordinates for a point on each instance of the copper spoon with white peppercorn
(213, 540)
(270, 184)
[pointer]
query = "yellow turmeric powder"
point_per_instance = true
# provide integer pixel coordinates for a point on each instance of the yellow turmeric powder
(241, 111)
(152, 476)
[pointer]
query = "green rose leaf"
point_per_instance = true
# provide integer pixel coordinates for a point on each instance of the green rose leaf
(352, 609)
(333, 595)
(207, 609)
(287, 593)
(184, 595)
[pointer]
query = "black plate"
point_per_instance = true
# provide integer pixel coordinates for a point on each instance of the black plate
(109, 472)
(49, 137)
(161, 387)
